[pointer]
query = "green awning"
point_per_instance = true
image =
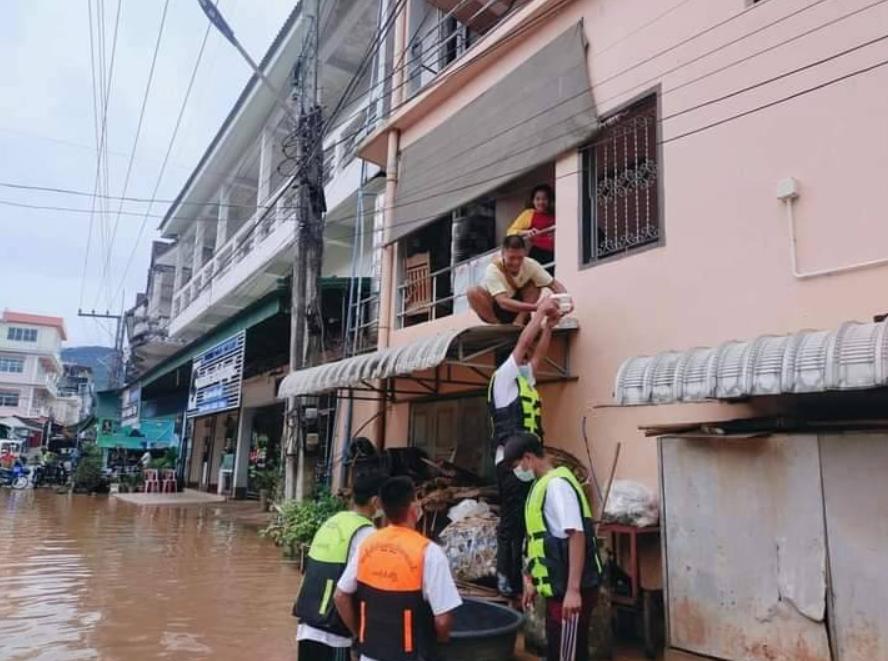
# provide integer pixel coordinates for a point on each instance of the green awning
(256, 313)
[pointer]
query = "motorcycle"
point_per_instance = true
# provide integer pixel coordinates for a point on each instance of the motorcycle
(15, 477)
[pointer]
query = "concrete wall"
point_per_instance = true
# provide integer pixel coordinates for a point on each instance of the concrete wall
(723, 271)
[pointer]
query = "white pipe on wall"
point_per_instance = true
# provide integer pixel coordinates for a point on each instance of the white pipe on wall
(787, 192)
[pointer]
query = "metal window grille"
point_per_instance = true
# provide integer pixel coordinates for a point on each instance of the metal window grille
(621, 207)
(8, 398)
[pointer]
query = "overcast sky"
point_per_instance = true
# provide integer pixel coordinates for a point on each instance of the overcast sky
(47, 138)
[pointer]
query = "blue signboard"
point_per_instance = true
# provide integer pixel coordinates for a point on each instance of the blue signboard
(216, 377)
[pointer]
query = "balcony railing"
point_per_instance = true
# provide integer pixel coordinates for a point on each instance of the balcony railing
(463, 275)
(254, 232)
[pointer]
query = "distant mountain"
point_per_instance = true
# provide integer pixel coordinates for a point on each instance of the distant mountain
(98, 358)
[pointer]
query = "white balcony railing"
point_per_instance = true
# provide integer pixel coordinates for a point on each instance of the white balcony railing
(254, 232)
(458, 278)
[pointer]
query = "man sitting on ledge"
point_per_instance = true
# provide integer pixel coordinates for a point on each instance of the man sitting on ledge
(511, 287)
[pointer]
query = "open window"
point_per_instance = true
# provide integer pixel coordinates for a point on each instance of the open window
(441, 260)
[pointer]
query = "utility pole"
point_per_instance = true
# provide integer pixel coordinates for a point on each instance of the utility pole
(115, 378)
(305, 317)
(305, 313)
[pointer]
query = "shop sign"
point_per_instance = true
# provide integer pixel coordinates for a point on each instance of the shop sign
(216, 377)
(130, 405)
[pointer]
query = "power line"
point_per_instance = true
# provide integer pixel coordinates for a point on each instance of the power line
(847, 76)
(129, 167)
(785, 74)
(92, 63)
(686, 134)
(709, 102)
(104, 96)
(407, 79)
(167, 155)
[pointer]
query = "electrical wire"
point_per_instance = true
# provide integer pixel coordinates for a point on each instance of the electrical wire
(628, 69)
(166, 156)
(412, 201)
(706, 127)
(129, 167)
(93, 89)
(663, 119)
(104, 101)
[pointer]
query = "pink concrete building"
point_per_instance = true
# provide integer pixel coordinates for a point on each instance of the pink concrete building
(718, 171)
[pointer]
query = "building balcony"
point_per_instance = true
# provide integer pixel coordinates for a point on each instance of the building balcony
(49, 383)
(245, 268)
(441, 260)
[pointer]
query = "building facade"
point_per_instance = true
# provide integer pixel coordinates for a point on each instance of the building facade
(693, 203)
(31, 367)
(210, 336)
(699, 156)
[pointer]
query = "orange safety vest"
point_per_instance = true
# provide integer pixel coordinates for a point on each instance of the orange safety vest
(396, 623)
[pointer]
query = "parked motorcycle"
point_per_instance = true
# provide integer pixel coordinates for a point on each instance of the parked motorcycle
(15, 477)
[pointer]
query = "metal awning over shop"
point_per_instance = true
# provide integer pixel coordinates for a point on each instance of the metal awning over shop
(852, 357)
(537, 111)
(441, 352)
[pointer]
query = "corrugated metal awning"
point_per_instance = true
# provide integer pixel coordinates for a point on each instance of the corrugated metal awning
(852, 357)
(428, 352)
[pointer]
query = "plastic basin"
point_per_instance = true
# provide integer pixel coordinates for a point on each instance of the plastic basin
(482, 631)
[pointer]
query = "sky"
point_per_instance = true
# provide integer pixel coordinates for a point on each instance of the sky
(48, 139)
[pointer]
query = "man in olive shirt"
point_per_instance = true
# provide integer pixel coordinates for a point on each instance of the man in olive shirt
(511, 287)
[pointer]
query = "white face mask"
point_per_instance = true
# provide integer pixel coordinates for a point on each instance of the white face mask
(523, 474)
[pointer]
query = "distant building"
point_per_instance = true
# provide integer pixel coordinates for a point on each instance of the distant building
(77, 382)
(31, 366)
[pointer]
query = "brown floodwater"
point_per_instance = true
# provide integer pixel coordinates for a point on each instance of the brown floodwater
(91, 577)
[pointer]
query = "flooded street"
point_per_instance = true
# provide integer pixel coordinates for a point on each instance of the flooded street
(94, 578)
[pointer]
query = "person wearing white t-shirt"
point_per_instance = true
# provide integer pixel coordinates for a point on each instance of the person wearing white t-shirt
(514, 404)
(321, 635)
(397, 594)
(562, 563)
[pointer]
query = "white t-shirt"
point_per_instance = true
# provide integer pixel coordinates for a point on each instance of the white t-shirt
(562, 508)
(505, 388)
(438, 587)
(308, 632)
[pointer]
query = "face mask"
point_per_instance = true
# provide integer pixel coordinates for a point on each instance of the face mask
(522, 474)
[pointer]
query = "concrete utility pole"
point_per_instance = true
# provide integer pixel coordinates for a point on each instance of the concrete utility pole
(305, 310)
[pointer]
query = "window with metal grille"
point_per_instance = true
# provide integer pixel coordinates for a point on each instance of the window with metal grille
(9, 398)
(621, 205)
(12, 364)
(21, 334)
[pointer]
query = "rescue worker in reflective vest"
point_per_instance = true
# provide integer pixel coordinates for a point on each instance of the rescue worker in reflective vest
(562, 562)
(397, 594)
(321, 634)
(514, 406)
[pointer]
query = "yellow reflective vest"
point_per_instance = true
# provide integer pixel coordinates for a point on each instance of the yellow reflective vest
(547, 555)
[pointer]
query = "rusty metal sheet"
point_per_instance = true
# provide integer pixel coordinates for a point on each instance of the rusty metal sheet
(745, 547)
(856, 505)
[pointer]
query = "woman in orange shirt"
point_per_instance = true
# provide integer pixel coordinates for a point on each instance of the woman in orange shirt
(533, 222)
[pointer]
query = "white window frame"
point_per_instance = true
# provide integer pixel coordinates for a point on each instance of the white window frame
(21, 334)
(7, 362)
(5, 394)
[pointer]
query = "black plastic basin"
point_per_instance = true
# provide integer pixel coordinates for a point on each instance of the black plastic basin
(482, 631)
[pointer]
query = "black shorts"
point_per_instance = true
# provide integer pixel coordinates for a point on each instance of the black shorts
(502, 315)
